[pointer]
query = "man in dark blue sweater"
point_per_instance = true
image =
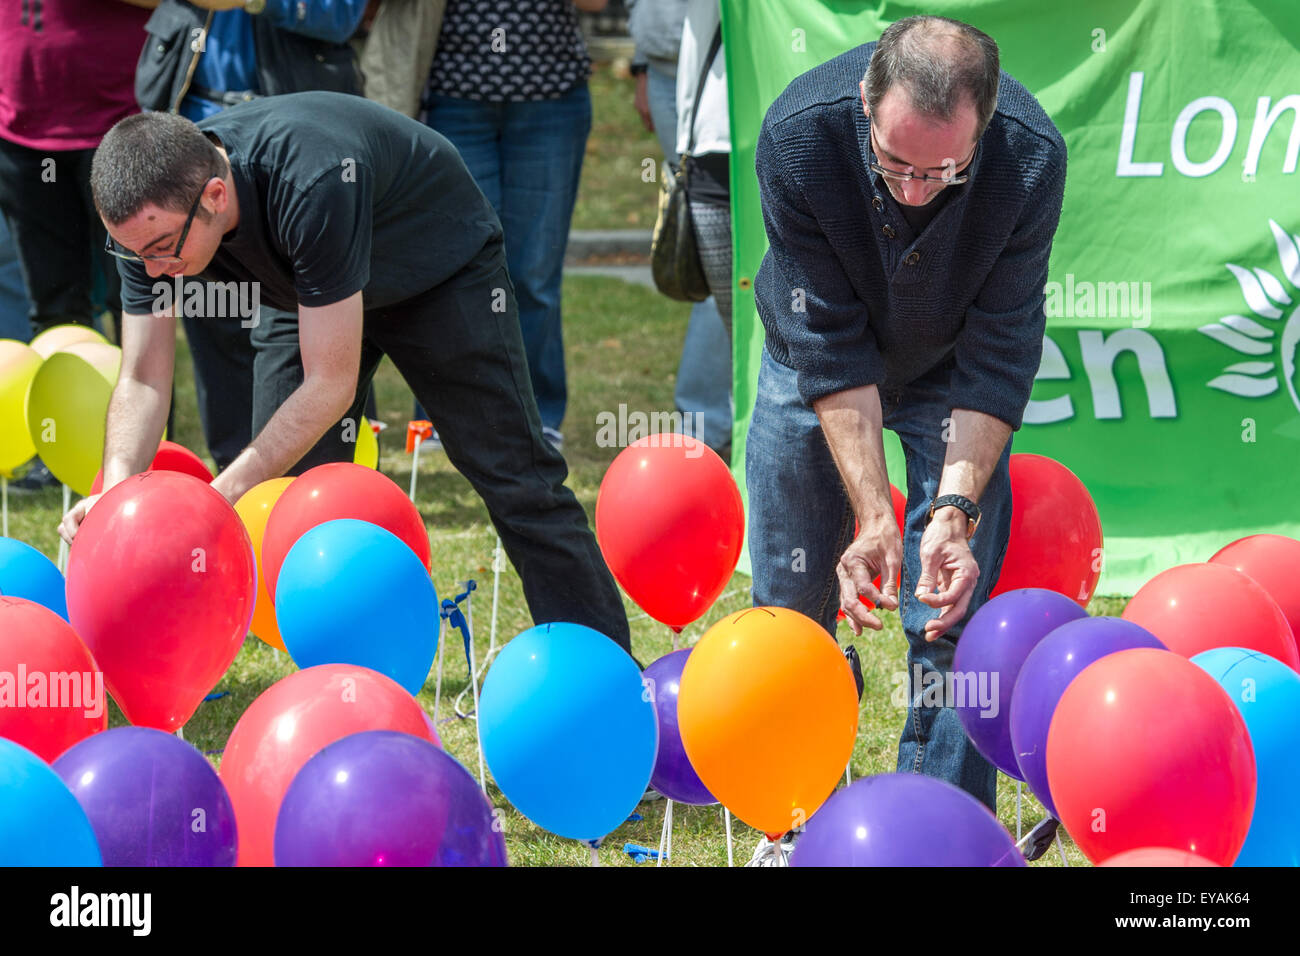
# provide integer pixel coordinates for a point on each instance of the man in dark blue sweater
(910, 193)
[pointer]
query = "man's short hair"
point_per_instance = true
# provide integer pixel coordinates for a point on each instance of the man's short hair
(158, 158)
(939, 62)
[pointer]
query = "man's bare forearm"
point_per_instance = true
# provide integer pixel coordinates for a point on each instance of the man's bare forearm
(975, 443)
(137, 417)
(851, 422)
(292, 431)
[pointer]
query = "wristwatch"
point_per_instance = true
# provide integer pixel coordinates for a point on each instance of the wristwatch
(254, 6)
(961, 503)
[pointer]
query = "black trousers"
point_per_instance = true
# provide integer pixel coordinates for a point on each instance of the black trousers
(460, 349)
(45, 197)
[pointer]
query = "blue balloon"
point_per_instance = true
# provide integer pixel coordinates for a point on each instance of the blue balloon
(1267, 693)
(568, 729)
(26, 573)
(351, 592)
(41, 823)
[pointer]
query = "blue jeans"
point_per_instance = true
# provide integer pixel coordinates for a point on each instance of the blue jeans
(13, 291)
(800, 522)
(527, 159)
(704, 373)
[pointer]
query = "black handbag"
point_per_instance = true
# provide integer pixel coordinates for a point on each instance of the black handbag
(176, 37)
(674, 255)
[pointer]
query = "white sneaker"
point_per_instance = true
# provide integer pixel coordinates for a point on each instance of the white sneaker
(768, 853)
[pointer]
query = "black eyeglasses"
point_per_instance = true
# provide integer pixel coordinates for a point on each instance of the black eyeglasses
(112, 248)
(948, 178)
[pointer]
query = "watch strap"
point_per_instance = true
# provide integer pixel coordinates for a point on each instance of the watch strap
(961, 503)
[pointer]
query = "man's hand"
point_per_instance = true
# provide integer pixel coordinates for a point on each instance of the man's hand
(877, 550)
(948, 566)
(72, 520)
(642, 102)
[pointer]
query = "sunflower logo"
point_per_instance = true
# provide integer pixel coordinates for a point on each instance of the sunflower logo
(1265, 296)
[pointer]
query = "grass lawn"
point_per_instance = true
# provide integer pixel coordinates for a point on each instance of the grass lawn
(623, 343)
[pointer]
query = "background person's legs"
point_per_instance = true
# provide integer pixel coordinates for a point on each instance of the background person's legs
(542, 145)
(933, 741)
(14, 306)
(42, 196)
(704, 372)
(466, 364)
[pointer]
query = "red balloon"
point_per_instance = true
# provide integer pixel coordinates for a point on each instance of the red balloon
(291, 721)
(1145, 749)
(339, 490)
(51, 691)
(899, 501)
(1055, 532)
(1272, 560)
(1156, 856)
(1198, 607)
(161, 583)
(170, 457)
(670, 524)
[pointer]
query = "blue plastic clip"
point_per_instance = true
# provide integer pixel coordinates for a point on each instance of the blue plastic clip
(451, 611)
(641, 854)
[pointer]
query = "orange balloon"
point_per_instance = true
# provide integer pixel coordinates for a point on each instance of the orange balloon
(768, 713)
(254, 508)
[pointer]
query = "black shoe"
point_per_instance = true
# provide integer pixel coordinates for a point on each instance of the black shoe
(36, 480)
(1041, 838)
(855, 665)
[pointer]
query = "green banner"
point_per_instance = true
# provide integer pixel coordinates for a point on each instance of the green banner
(1168, 382)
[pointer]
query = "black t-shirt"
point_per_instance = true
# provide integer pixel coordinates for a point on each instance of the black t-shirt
(918, 217)
(337, 194)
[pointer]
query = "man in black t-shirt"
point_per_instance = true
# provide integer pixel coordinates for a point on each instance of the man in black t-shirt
(368, 224)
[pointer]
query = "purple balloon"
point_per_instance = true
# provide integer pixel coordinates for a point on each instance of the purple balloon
(152, 799)
(904, 819)
(383, 798)
(673, 775)
(990, 653)
(1046, 673)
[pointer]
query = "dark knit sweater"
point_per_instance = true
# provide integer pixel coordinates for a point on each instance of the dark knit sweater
(882, 309)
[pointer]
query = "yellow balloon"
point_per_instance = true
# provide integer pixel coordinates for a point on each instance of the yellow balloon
(254, 508)
(768, 712)
(66, 407)
(59, 337)
(367, 452)
(18, 366)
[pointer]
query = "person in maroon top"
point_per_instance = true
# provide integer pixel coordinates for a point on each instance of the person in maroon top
(67, 74)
